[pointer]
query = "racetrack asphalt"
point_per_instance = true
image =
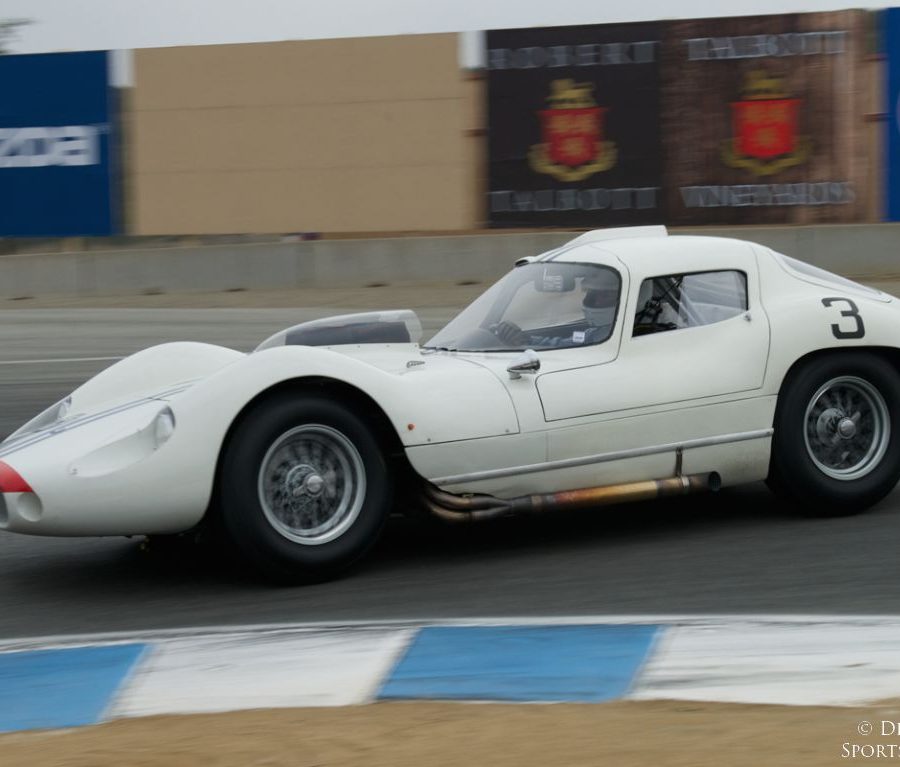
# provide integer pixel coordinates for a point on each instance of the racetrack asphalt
(735, 552)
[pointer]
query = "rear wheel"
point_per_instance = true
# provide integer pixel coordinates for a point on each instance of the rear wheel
(304, 489)
(836, 446)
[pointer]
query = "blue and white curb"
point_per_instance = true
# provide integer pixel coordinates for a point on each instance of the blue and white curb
(588, 663)
(68, 681)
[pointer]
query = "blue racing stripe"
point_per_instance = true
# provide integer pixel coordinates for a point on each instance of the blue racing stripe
(61, 688)
(521, 663)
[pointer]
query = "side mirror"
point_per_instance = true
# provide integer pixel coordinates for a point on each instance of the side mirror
(527, 362)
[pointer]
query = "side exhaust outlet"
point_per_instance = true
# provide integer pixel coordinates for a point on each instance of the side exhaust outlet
(475, 508)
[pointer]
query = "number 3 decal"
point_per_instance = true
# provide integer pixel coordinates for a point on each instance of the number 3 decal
(853, 313)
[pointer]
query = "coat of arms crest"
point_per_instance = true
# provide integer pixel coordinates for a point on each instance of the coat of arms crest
(764, 125)
(573, 147)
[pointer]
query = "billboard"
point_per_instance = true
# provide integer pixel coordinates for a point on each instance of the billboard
(574, 126)
(763, 119)
(751, 120)
(891, 30)
(56, 170)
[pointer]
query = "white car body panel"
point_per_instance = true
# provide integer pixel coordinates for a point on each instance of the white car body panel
(149, 371)
(602, 436)
(105, 477)
(699, 399)
(796, 303)
(132, 489)
(632, 383)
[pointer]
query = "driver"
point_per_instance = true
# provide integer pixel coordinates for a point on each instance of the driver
(598, 303)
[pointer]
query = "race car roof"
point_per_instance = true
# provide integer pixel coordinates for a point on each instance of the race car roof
(655, 254)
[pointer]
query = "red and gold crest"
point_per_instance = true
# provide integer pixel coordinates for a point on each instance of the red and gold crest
(572, 131)
(764, 126)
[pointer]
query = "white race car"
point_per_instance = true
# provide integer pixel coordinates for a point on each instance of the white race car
(624, 365)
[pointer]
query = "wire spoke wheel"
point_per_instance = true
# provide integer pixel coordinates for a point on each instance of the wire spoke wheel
(312, 484)
(847, 428)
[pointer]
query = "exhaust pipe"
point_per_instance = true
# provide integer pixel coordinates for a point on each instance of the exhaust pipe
(475, 508)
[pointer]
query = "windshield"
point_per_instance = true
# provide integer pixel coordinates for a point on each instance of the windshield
(538, 306)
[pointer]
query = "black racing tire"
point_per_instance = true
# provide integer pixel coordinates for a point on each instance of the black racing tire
(303, 488)
(836, 446)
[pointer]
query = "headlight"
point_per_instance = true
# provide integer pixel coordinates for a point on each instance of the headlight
(62, 408)
(163, 426)
(53, 414)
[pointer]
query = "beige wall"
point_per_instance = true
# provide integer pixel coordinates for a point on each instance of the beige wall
(354, 135)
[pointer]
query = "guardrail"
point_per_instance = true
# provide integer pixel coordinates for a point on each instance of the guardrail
(857, 250)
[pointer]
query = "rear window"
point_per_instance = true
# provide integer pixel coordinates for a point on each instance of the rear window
(802, 269)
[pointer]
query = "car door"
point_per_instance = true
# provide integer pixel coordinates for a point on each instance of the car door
(688, 369)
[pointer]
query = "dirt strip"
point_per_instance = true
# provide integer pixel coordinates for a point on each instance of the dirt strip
(419, 734)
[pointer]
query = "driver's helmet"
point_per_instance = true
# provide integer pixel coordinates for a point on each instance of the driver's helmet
(601, 294)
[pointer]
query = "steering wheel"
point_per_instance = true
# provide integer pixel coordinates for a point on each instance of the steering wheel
(509, 333)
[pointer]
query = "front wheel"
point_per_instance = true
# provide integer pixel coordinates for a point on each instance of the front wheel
(304, 488)
(836, 447)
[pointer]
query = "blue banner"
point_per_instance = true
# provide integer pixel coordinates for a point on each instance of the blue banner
(892, 172)
(57, 174)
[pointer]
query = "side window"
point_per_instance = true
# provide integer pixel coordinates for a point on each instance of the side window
(677, 301)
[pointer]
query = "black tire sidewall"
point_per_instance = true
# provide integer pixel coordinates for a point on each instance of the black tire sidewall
(242, 514)
(793, 471)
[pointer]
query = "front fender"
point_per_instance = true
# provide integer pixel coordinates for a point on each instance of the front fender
(441, 400)
(438, 399)
(150, 371)
(107, 476)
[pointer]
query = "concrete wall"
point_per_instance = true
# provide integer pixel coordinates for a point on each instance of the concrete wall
(353, 135)
(858, 250)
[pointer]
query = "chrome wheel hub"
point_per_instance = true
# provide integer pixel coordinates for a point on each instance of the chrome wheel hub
(847, 428)
(303, 482)
(312, 484)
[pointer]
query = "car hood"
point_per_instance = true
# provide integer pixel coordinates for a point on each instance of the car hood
(412, 380)
(165, 371)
